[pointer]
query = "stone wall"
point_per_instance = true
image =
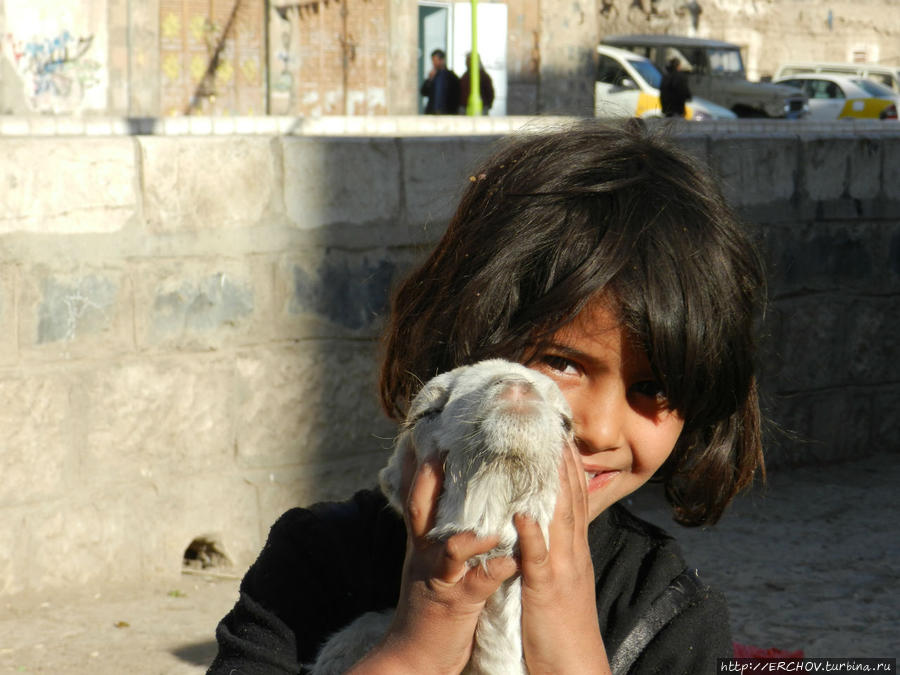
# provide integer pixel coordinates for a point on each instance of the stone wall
(189, 322)
(825, 205)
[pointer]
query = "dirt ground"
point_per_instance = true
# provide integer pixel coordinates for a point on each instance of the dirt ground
(811, 564)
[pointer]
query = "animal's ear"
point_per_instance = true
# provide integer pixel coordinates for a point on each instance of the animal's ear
(431, 398)
(390, 478)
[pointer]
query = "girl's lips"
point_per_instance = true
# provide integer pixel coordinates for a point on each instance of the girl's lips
(600, 478)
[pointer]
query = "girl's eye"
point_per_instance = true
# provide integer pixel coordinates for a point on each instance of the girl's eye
(560, 364)
(651, 389)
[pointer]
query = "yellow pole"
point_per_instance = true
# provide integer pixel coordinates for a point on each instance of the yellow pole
(474, 104)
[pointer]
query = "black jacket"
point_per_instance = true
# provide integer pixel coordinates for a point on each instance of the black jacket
(297, 593)
(674, 93)
(443, 93)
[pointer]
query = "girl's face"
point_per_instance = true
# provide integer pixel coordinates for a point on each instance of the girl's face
(623, 427)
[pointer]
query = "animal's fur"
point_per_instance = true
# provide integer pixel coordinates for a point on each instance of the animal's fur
(501, 429)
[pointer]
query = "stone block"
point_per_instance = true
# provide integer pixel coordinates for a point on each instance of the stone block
(83, 538)
(841, 423)
(341, 181)
(436, 172)
(42, 125)
(217, 507)
(91, 536)
(816, 427)
(223, 125)
(14, 126)
(9, 338)
(313, 403)
(70, 126)
(871, 331)
(842, 173)
(210, 183)
(886, 421)
(80, 312)
(757, 176)
(892, 250)
(328, 292)
(832, 341)
(200, 125)
(824, 257)
(38, 453)
(149, 417)
(175, 126)
(696, 144)
(787, 441)
(67, 185)
(806, 346)
(13, 556)
(202, 304)
(890, 175)
(100, 126)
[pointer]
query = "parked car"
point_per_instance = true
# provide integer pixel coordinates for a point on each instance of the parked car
(833, 97)
(627, 85)
(888, 76)
(715, 72)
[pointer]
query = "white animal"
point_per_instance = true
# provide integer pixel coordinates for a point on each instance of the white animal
(501, 429)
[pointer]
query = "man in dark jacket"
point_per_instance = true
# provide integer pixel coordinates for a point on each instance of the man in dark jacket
(673, 90)
(485, 88)
(441, 87)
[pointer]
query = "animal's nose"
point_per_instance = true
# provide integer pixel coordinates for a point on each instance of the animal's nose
(516, 389)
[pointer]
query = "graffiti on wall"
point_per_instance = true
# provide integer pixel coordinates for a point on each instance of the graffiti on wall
(55, 70)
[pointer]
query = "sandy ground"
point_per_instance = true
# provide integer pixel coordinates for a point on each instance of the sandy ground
(812, 563)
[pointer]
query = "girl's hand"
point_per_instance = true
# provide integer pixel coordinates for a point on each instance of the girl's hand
(441, 597)
(560, 629)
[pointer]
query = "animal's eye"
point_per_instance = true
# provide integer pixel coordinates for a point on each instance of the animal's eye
(428, 414)
(567, 423)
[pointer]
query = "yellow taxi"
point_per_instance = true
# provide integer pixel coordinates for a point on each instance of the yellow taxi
(627, 85)
(835, 97)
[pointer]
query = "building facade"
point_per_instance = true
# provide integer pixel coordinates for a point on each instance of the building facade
(368, 57)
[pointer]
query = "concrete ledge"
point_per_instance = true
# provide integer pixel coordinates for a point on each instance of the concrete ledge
(389, 125)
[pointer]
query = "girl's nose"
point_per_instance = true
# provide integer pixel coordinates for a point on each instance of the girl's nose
(599, 423)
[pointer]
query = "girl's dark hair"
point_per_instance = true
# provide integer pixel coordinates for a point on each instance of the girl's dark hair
(552, 220)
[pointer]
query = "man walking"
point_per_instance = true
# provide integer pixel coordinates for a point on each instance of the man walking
(674, 90)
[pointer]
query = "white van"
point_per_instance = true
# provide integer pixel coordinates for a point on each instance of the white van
(889, 76)
(627, 85)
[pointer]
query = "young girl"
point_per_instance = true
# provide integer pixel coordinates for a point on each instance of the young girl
(608, 260)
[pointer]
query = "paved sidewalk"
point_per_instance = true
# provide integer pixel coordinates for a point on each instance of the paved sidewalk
(811, 564)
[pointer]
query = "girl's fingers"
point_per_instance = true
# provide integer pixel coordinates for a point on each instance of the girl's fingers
(564, 521)
(534, 557)
(410, 464)
(578, 486)
(421, 507)
(459, 549)
(494, 571)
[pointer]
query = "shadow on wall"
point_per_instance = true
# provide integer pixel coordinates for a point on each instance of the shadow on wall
(362, 212)
(828, 369)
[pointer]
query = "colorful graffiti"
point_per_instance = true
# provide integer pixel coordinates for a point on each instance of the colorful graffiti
(55, 71)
